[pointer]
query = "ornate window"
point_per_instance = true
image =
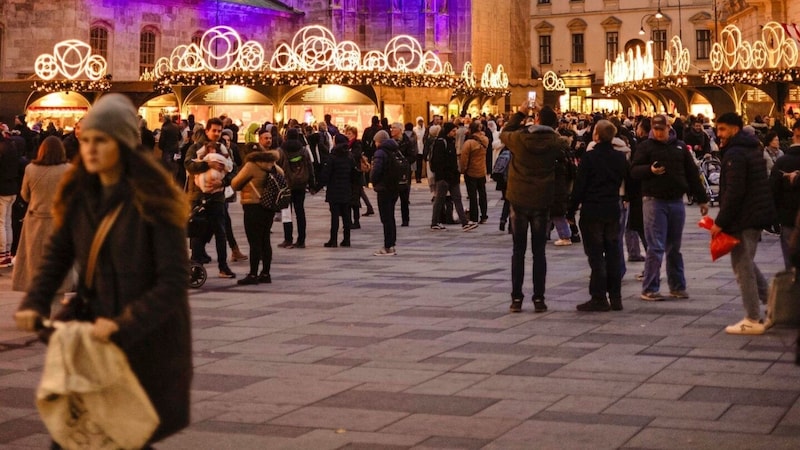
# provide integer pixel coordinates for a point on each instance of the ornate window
(703, 44)
(147, 50)
(98, 40)
(578, 49)
(659, 38)
(612, 45)
(545, 50)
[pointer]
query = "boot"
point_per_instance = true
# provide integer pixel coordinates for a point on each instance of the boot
(236, 255)
(595, 304)
(346, 240)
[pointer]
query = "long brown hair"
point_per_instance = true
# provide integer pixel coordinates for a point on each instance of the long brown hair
(51, 152)
(153, 191)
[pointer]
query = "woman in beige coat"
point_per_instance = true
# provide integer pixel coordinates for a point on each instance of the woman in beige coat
(39, 187)
(257, 220)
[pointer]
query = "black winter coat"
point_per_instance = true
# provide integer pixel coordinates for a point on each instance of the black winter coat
(600, 174)
(745, 198)
(140, 283)
(682, 175)
(9, 168)
(337, 175)
(787, 197)
(380, 162)
(444, 161)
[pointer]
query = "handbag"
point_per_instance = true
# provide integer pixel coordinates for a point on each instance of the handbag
(783, 301)
(364, 164)
(276, 195)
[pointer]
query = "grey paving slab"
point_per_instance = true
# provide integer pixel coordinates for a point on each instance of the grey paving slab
(348, 351)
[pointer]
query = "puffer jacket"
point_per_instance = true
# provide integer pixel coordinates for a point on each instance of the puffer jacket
(380, 162)
(473, 155)
(745, 198)
(255, 172)
(533, 181)
(337, 174)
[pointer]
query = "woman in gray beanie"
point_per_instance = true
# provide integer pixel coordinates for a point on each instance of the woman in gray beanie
(138, 299)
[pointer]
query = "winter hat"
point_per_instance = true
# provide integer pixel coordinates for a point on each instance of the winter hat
(292, 134)
(340, 139)
(114, 115)
(447, 127)
(228, 132)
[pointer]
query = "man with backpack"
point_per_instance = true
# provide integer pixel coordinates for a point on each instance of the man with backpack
(444, 164)
(407, 150)
(386, 172)
(296, 162)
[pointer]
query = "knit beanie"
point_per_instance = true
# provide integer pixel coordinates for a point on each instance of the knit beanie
(447, 127)
(114, 115)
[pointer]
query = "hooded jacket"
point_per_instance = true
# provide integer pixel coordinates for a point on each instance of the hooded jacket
(533, 181)
(292, 148)
(745, 198)
(473, 155)
(681, 177)
(380, 162)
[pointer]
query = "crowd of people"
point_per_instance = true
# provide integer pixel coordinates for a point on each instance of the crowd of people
(116, 216)
(625, 178)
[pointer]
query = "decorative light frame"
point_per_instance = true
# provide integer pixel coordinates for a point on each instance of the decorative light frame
(775, 50)
(71, 59)
(676, 59)
(314, 56)
(552, 82)
(630, 66)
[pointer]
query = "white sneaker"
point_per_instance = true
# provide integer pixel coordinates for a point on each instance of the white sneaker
(385, 252)
(438, 227)
(563, 242)
(746, 326)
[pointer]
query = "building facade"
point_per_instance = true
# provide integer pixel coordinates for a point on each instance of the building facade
(133, 35)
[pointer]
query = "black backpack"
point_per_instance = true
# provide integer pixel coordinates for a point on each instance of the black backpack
(397, 170)
(298, 171)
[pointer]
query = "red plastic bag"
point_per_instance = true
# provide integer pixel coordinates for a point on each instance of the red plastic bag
(721, 243)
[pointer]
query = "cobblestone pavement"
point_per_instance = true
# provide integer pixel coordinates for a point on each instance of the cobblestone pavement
(345, 350)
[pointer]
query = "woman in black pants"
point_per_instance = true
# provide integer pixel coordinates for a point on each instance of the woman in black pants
(251, 180)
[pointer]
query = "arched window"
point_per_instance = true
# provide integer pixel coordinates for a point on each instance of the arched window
(147, 50)
(98, 40)
(196, 38)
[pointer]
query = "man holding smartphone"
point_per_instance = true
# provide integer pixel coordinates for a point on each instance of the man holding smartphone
(667, 171)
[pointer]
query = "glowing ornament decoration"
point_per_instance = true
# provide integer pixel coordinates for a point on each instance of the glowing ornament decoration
(630, 66)
(775, 50)
(552, 82)
(676, 58)
(71, 58)
(315, 57)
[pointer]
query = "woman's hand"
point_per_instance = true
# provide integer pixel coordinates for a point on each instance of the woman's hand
(26, 319)
(103, 329)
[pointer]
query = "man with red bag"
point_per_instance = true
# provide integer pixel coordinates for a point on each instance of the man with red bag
(746, 207)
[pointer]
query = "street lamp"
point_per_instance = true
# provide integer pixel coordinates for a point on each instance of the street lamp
(645, 17)
(658, 13)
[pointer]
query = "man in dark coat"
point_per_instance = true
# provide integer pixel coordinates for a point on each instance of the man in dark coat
(667, 172)
(785, 193)
(169, 142)
(9, 188)
(532, 191)
(745, 208)
(387, 190)
(600, 175)
(444, 165)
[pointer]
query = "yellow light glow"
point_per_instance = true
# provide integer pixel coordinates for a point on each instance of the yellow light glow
(71, 58)
(552, 82)
(631, 66)
(775, 50)
(676, 59)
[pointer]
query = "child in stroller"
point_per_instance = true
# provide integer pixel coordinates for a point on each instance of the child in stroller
(710, 170)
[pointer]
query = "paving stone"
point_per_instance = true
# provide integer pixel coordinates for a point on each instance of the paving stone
(711, 425)
(589, 418)
(221, 383)
(334, 341)
(446, 384)
(423, 334)
(563, 435)
(17, 396)
(446, 442)
(370, 446)
(404, 402)
(297, 391)
(339, 418)
(250, 428)
(527, 368)
(455, 426)
(665, 438)
(668, 408)
(660, 391)
(582, 404)
(379, 375)
(15, 429)
(551, 385)
(742, 396)
(764, 415)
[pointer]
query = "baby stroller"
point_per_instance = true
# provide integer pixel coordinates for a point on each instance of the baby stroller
(197, 227)
(710, 170)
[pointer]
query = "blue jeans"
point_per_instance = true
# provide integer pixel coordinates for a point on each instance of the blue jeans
(521, 218)
(386, 203)
(663, 230)
(601, 245)
(562, 227)
(751, 281)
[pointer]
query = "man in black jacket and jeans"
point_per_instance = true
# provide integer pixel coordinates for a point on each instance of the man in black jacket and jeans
(600, 174)
(785, 193)
(745, 208)
(667, 171)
